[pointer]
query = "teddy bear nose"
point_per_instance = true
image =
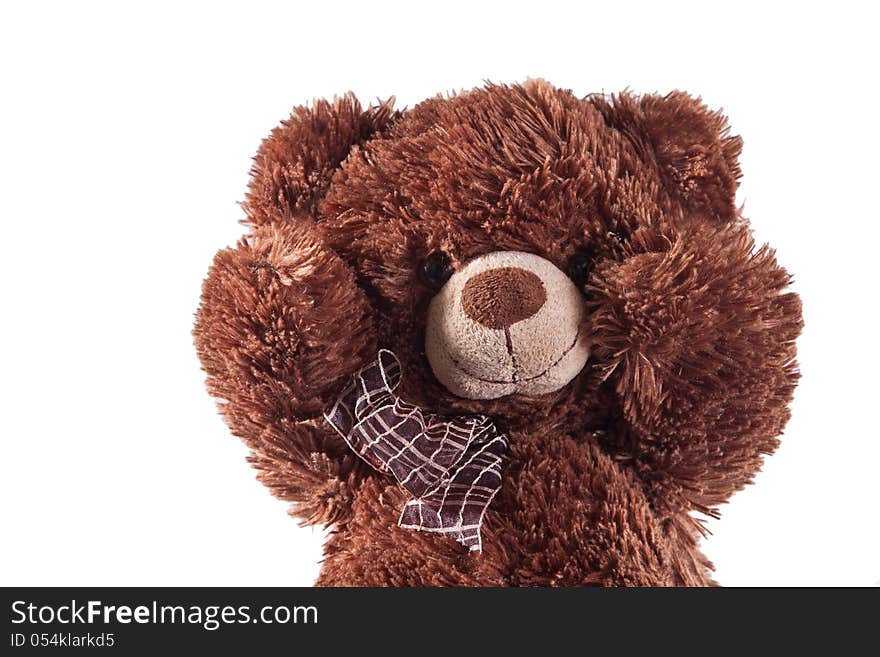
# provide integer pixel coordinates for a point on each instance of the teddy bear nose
(499, 298)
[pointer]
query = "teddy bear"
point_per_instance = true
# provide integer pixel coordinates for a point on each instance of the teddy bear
(507, 337)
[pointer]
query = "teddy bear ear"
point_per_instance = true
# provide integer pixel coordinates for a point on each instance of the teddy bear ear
(295, 163)
(689, 143)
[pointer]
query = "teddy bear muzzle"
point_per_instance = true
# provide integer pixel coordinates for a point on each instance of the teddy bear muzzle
(506, 323)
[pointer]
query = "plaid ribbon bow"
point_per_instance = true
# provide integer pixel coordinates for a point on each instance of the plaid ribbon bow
(451, 466)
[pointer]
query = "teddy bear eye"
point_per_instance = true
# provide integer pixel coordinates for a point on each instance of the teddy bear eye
(579, 266)
(437, 268)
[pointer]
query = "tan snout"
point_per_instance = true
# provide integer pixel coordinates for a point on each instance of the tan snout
(506, 323)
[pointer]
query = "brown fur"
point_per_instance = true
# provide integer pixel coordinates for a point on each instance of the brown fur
(692, 364)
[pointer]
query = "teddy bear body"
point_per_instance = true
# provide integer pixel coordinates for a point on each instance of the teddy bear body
(686, 330)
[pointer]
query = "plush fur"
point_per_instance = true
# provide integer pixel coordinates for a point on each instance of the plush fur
(691, 327)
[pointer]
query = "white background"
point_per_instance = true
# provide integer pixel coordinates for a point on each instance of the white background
(125, 142)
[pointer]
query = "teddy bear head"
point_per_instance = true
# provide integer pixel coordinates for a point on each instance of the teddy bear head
(478, 227)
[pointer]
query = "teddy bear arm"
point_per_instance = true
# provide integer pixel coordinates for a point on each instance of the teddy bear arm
(309, 467)
(296, 162)
(699, 341)
(281, 327)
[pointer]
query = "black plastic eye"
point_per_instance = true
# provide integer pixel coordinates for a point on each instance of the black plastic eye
(579, 266)
(436, 269)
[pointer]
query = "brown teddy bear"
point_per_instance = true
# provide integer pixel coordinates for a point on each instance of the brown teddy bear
(508, 337)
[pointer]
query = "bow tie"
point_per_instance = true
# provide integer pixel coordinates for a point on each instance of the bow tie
(450, 466)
